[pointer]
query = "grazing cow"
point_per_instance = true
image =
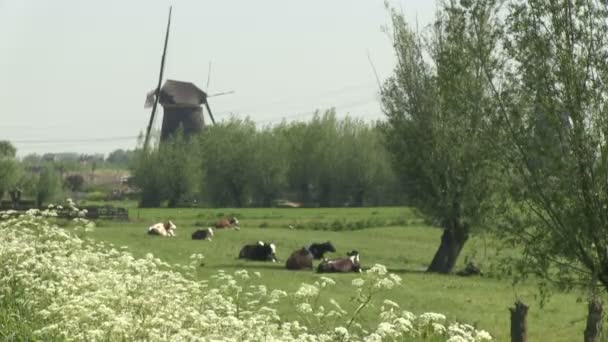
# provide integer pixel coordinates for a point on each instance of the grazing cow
(350, 264)
(203, 234)
(260, 251)
(163, 229)
(300, 259)
(318, 249)
(227, 222)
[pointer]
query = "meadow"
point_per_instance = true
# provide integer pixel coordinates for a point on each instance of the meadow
(393, 236)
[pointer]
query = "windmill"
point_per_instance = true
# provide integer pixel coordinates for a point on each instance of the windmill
(181, 103)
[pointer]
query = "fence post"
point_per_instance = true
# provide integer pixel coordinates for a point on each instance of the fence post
(519, 324)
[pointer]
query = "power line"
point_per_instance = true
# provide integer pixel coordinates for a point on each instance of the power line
(51, 141)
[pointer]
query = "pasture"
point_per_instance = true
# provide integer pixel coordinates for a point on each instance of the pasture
(394, 237)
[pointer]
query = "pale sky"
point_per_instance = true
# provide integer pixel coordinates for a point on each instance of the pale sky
(74, 73)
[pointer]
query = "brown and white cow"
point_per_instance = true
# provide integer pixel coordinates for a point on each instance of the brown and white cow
(350, 264)
(162, 229)
(227, 222)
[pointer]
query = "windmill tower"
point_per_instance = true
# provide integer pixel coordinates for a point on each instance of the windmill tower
(182, 103)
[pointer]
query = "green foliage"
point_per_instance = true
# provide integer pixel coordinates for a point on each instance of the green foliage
(48, 187)
(9, 174)
(269, 166)
(96, 196)
(120, 158)
(228, 152)
(438, 108)
(169, 173)
(74, 182)
(327, 162)
(7, 149)
(552, 99)
(147, 176)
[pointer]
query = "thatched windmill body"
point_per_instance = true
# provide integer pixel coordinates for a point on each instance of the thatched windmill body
(182, 103)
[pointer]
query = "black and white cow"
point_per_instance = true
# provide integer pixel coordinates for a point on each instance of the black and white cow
(261, 251)
(299, 260)
(318, 249)
(350, 264)
(203, 234)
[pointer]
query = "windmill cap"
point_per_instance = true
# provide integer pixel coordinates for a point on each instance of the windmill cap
(181, 94)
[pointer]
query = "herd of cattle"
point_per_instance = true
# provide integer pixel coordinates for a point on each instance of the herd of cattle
(300, 259)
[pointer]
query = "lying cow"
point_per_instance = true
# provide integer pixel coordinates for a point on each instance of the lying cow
(299, 260)
(318, 249)
(227, 222)
(163, 229)
(260, 251)
(350, 264)
(203, 234)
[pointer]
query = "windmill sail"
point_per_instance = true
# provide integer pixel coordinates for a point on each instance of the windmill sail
(157, 90)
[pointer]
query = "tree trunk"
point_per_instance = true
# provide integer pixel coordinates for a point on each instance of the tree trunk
(595, 317)
(452, 240)
(519, 324)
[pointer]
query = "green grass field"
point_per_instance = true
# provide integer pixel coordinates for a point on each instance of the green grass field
(394, 237)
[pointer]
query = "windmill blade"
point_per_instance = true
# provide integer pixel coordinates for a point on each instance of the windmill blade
(208, 76)
(160, 80)
(222, 93)
(209, 110)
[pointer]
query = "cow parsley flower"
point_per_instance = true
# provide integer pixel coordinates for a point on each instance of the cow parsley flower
(307, 291)
(482, 335)
(378, 269)
(358, 282)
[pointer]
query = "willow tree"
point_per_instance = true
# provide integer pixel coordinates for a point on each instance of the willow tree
(553, 97)
(439, 129)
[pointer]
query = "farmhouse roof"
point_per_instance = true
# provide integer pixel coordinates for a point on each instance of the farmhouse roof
(178, 93)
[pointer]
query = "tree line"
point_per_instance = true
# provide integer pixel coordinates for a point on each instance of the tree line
(324, 162)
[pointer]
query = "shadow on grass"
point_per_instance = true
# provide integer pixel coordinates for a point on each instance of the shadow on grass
(407, 271)
(277, 266)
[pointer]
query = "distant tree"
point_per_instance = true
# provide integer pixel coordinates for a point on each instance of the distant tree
(362, 162)
(438, 108)
(313, 157)
(147, 176)
(120, 157)
(48, 187)
(180, 168)
(74, 182)
(7, 149)
(269, 166)
(8, 167)
(32, 159)
(228, 153)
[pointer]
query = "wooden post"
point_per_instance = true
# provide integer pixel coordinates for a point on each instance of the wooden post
(595, 318)
(519, 324)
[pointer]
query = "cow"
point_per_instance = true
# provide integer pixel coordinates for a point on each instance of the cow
(163, 229)
(261, 251)
(350, 264)
(228, 222)
(203, 234)
(318, 249)
(300, 259)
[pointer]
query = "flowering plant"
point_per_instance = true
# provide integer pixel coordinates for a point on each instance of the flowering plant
(57, 285)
